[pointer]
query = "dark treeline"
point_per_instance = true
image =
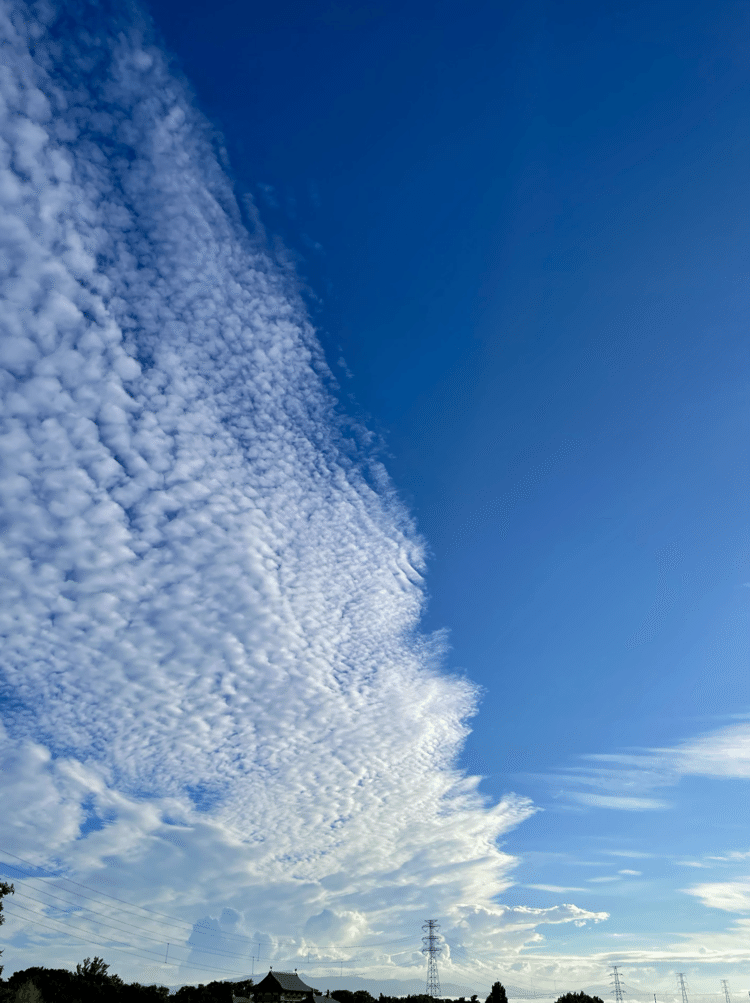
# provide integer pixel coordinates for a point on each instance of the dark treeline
(89, 983)
(92, 983)
(497, 995)
(362, 996)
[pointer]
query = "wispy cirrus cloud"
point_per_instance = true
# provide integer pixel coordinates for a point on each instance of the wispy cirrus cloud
(628, 781)
(556, 888)
(620, 802)
(729, 896)
(218, 698)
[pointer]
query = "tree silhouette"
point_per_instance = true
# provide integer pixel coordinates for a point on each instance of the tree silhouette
(214, 992)
(349, 996)
(5, 889)
(90, 983)
(497, 993)
(95, 969)
(28, 993)
(578, 998)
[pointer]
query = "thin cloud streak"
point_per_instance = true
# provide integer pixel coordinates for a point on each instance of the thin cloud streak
(626, 781)
(555, 888)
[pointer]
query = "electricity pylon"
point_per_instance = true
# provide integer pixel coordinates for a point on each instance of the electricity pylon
(617, 991)
(432, 948)
(725, 987)
(683, 987)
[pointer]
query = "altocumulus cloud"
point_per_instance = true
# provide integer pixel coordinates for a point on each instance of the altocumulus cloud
(216, 693)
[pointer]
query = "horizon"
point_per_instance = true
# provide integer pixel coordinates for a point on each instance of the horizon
(599, 990)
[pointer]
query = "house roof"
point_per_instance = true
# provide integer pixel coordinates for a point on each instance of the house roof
(289, 982)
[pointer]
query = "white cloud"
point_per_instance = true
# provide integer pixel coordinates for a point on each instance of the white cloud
(633, 854)
(630, 778)
(620, 802)
(723, 753)
(222, 705)
(730, 896)
(555, 888)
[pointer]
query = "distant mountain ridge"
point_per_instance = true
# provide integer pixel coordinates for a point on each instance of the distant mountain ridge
(408, 987)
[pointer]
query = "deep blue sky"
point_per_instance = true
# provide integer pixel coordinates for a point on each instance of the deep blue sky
(532, 225)
(524, 229)
(521, 232)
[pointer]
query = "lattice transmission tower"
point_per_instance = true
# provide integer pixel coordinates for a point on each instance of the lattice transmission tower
(617, 988)
(725, 987)
(432, 948)
(683, 987)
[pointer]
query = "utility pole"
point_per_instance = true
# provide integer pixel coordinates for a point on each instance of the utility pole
(432, 948)
(617, 990)
(725, 987)
(683, 987)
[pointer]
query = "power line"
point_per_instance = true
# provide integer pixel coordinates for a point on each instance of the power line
(113, 923)
(114, 926)
(172, 920)
(124, 950)
(128, 949)
(117, 925)
(98, 891)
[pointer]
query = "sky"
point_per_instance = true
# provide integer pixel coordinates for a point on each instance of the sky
(374, 405)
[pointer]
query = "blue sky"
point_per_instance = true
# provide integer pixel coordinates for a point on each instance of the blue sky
(374, 386)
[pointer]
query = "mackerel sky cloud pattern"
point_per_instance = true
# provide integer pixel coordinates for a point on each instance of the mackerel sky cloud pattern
(214, 678)
(223, 698)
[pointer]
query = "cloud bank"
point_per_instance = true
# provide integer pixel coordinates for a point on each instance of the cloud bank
(216, 695)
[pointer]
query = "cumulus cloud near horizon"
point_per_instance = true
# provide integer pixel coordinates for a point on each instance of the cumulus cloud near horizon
(216, 694)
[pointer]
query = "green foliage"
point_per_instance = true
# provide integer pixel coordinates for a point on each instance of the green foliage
(347, 996)
(578, 998)
(497, 993)
(56, 985)
(214, 992)
(5, 889)
(96, 971)
(415, 998)
(28, 993)
(90, 983)
(243, 988)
